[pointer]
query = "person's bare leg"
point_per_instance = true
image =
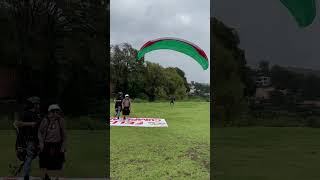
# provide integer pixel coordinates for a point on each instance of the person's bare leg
(59, 175)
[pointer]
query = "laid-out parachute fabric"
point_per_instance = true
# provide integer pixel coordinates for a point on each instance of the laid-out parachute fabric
(304, 11)
(177, 45)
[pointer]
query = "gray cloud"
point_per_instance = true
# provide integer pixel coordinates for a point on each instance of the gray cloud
(138, 21)
(268, 31)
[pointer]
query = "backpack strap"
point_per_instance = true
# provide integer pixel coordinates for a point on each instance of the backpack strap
(45, 136)
(60, 129)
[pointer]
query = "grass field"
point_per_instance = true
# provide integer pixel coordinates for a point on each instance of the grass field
(266, 153)
(181, 151)
(85, 157)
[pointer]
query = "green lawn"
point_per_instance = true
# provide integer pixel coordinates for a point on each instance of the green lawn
(266, 153)
(181, 151)
(85, 157)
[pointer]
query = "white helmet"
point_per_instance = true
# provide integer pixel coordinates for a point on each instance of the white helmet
(127, 95)
(54, 107)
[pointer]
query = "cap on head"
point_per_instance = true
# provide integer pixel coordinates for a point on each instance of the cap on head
(34, 100)
(53, 107)
(127, 95)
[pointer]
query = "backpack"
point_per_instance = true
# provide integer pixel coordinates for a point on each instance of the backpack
(45, 136)
(126, 102)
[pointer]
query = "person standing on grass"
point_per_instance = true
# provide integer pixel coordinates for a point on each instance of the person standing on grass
(172, 100)
(118, 105)
(27, 129)
(52, 138)
(126, 106)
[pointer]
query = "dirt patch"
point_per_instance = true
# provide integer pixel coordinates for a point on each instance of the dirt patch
(206, 164)
(194, 155)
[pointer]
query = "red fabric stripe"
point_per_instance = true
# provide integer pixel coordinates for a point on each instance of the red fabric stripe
(199, 50)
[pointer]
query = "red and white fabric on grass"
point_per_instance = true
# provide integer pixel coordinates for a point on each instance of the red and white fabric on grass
(139, 122)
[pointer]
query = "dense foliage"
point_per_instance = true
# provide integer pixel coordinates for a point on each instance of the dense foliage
(58, 49)
(144, 80)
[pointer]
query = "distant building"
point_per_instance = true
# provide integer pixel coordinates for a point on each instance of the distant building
(263, 93)
(263, 81)
(192, 88)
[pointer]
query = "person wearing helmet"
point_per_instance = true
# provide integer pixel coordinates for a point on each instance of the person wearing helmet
(126, 106)
(27, 139)
(118, 104)
(52, 140)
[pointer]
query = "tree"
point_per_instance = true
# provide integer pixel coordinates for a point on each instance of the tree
(126, 73)
(182, 75)
(174, 83)
(229, 73)
(58, 50)
(154, 78)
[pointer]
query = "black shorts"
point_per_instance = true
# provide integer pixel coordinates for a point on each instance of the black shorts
(126, 111)
(51, 157)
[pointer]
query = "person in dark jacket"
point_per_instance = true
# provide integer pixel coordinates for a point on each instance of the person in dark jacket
(28, 129)
(52, 139)
(118, 105)
(172, 100)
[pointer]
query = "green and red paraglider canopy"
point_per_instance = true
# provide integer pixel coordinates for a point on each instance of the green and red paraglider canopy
(175, 44)
(303, 11)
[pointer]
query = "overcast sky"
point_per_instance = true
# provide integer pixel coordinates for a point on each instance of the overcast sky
(138, 21)
(268, 31)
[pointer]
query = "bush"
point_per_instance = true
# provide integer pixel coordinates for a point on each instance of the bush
(142, 96)
(313, 122)
(85, 123)
(138, 100)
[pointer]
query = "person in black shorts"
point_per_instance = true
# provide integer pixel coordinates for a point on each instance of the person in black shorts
(126, 107)
(52, 139)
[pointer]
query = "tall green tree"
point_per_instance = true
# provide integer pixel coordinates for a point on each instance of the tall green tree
(229, 72)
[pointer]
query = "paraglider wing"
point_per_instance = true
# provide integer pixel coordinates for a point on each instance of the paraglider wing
(177, 45)
(304, 11)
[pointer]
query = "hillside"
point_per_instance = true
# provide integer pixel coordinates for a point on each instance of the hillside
(304, 71)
